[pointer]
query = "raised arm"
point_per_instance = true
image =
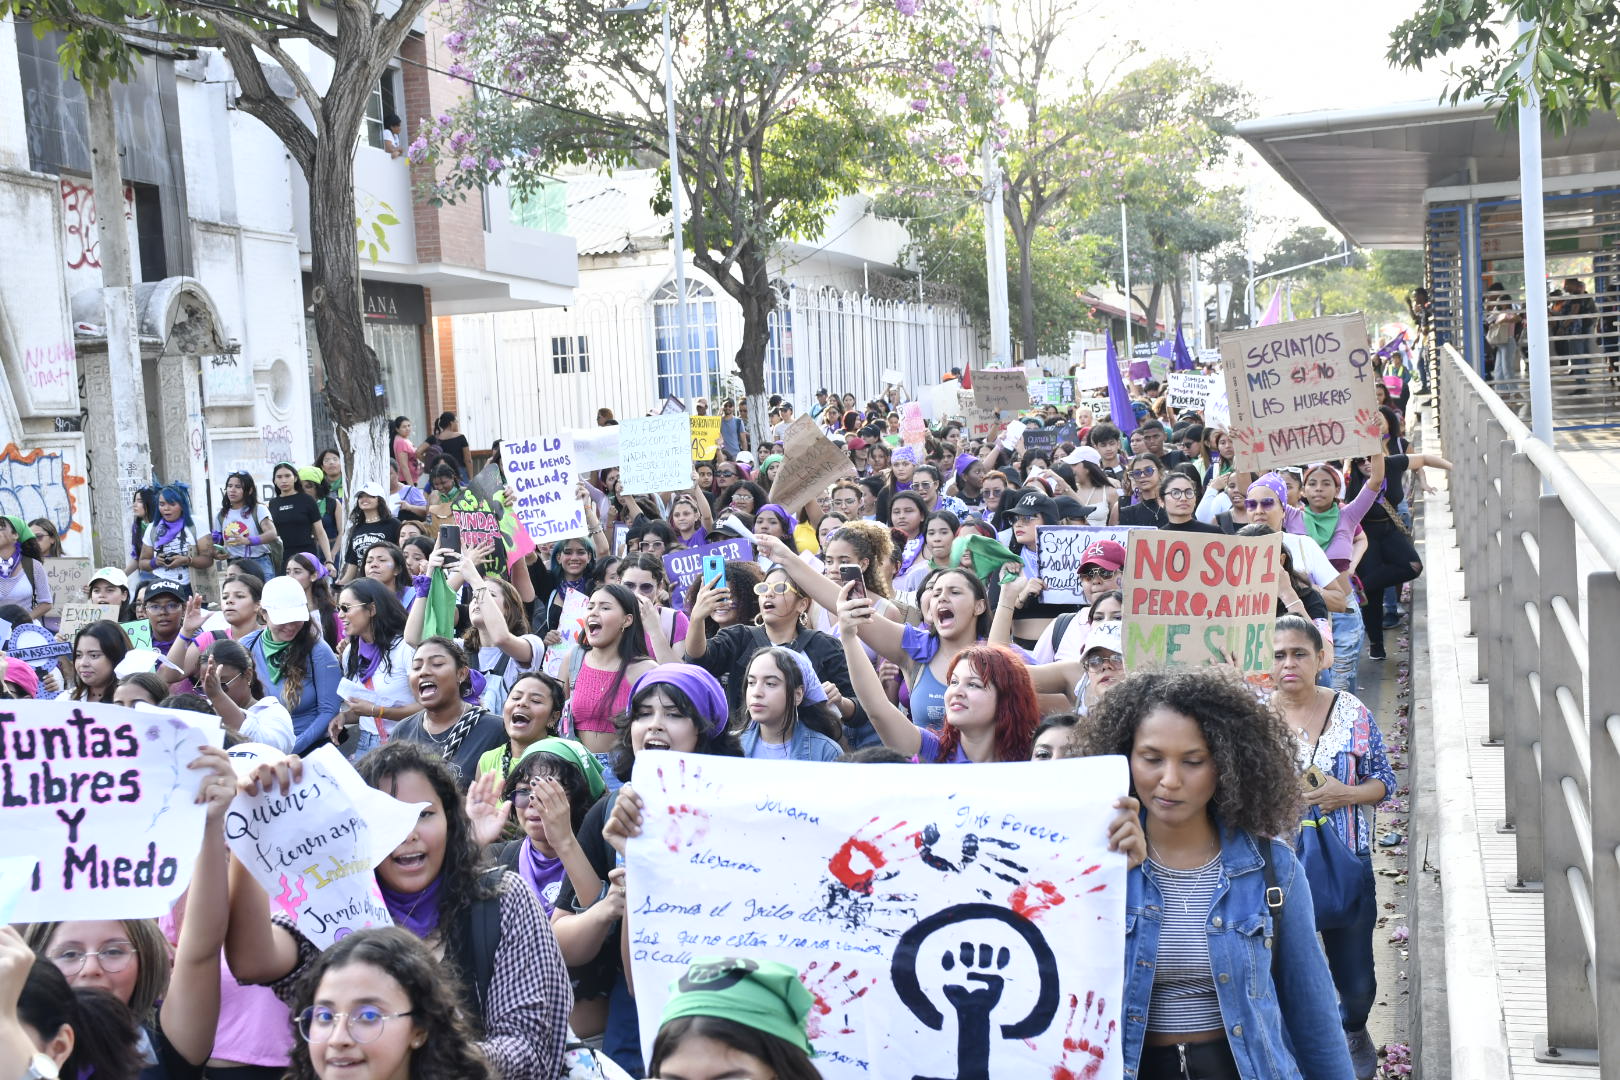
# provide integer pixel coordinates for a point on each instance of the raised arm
(893, 726)
(884, 635)
(190, 1010)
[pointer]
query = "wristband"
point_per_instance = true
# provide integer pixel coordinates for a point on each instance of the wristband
(189, 640)
(423, 585)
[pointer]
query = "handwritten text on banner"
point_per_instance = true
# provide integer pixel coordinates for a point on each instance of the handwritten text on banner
(103, 796)
(1301, 392)
(654, 454)
(943, 929)
(1193, 599)
(541, 470)
(1059, 551)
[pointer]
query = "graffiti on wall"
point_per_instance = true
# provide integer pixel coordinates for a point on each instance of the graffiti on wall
(48, 369)
(82, 240)
(39, 484)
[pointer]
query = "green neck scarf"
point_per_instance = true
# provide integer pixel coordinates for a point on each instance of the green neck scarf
(275, 653)
(1321, 526)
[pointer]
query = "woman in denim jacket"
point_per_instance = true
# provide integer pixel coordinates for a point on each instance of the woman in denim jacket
(1215, 989)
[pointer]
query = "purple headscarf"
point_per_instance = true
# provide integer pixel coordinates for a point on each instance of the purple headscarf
(1274, 482)
(781, 511)
(701, 688)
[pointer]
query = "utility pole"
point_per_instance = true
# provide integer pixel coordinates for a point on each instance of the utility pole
(1200, 323)
(120, 455)
(1125, 248)
(995, 233)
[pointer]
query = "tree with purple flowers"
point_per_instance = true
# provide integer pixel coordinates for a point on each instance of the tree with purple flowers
(781, 110)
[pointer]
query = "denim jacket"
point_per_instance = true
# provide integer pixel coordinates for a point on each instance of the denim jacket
(804, 744)
(1269, 1041)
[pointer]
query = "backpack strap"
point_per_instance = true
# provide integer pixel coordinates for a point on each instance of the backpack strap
(1061, 628)
(1274, 902)
(33, 586)
(483, 940)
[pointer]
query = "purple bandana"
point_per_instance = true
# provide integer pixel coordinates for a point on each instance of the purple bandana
(540, 872)
(164, 532)
(371, 657)
(416, 912)
(703, 689)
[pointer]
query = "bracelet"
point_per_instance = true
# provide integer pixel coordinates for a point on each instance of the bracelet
(189, 640)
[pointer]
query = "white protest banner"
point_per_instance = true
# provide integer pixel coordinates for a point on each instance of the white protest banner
(944, 398)
(1092, 373)
(1190, 389)
(1100, 409)
(875, 898)
(314, 849)
(570, 622)
(655, 454)
(892, 377)
(16, 873)
(1210, 357)
(595, 448)
(1059, 550)
(1300, 392)
(994, 391)
(1217, 409)
(811, 462)
(542, 472)
(103, 796)
(1193, 599)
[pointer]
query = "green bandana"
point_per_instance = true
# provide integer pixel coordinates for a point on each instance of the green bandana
(1321, 526)
(988, 555)
(275, 653)
(20, 527)
(577, 756)
(762, 994)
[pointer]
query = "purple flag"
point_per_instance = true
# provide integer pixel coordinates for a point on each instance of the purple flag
(1184, 360)
(1141, 371)
(1119, 400)
(1273, 314)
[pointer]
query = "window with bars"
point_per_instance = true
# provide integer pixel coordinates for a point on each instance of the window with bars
(779, 354)
(570, 355)
(691, 371)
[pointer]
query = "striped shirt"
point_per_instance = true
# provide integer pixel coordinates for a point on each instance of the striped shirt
(1184, 997)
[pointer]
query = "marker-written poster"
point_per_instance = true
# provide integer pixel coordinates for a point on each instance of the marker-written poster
(947, 922)
(103, 796)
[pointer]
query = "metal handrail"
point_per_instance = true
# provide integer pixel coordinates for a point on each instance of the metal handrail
(1554, 694)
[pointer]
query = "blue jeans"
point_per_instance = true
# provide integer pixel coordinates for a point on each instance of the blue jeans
(267, 569)
(621, 1041)
(1348, 637)
(1350, 955)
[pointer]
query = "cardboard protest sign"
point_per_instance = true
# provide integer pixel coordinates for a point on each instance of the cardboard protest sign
(103, 796)
(595, 447)
(1051, 391)
(705, 437)
(913, 428)
(68, 577)
(1190, 389)
(1099, 408)
(654, 454)
(864, 894)
(979, 423)
(1059, 549)
(314, 849)
(1301, 392)
(995, 390)
(810, 462)
(685, 567)
(72, 617)
(1193, 599)
(543, 475)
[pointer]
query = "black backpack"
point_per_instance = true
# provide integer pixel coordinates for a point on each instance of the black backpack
(471, 948)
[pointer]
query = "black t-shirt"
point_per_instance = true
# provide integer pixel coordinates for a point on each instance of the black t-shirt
(295, 517)
(365, 536)
(1192, 525)
(456, 447)
(1148, 514)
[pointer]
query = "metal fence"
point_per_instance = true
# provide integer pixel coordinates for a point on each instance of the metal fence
(1548, 648)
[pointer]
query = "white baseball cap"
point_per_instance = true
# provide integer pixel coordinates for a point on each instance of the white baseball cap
(283, 601)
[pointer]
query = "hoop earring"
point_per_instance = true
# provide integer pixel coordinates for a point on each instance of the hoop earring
(759, 620)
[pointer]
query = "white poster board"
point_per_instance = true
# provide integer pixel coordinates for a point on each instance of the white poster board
(542, 472)
(103, 796)
(315, 848)
(595, 448)
(655, 454)
(872, 895)
(1059, 550)
(1190, 389)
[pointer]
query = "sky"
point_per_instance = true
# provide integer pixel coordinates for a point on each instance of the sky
(1292, 57)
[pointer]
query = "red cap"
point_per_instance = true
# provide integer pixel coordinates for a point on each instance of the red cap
(1108, 554)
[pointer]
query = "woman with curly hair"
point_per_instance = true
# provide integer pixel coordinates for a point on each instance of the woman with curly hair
(375, 1003)
(490, 939)
(1219, 982)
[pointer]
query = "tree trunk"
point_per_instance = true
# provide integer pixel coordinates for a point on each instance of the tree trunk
(1152, 309)
(750, 361)
(1026, 292)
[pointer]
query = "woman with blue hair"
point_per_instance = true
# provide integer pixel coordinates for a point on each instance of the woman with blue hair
(171, 548)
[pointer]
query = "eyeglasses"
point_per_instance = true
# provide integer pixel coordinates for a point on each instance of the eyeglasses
(228, 683)
(113, 957)
(1097, 573)
(1178, 493)
(163, 608)
(1102, 661)
(1259, 504)
(364, 1024)
(650, 545)
(1143, 474)
(780, 588)
(924, 485)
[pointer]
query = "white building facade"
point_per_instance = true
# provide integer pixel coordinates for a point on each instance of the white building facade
(618, 344)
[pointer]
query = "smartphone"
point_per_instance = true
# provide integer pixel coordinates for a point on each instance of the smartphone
(1312, 779)
(853, 573)
(714, 571)
(450, 537)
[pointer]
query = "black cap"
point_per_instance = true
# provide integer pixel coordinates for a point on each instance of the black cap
(1070, 507)
(162, 585)
(1035, 504)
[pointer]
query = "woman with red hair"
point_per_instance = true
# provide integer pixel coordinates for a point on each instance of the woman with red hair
(990, 706)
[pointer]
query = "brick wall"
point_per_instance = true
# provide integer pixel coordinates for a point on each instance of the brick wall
(445, 336)
(451, 234)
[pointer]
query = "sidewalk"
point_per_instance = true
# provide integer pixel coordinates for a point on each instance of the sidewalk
(1489, 940)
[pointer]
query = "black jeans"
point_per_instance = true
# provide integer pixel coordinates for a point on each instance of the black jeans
(1188, 1061)
(1391, 559)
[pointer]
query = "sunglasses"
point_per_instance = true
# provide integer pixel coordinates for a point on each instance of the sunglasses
(1143, 474)
(1260, 504)
(1097, 573)
(779, 588)
(645, 588)
(726, 472)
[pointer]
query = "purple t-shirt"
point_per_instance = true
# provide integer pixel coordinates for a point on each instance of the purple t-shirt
(928, 752)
